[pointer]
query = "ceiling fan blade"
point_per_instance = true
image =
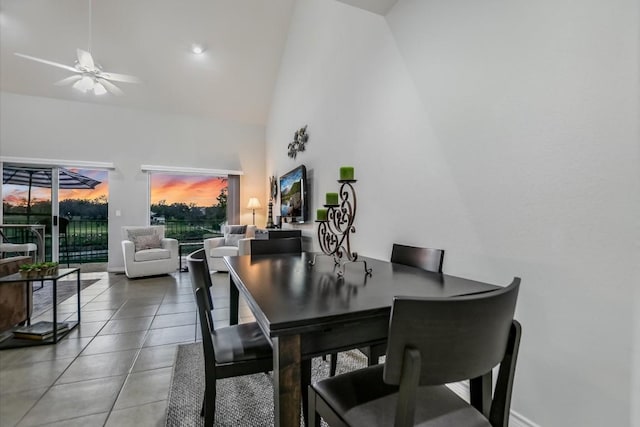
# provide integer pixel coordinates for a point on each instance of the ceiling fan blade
(68, 80)
(124, 78)
(44, 61)
(85, 59)
(110, 87)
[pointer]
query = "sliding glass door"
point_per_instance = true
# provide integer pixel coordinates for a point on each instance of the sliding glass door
(71, 203)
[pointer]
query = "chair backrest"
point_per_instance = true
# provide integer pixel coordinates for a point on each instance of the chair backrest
(207, 329)
(199, 273)
(289, 245)
(425, 258)
(129, 231)
(458, 338)
(250, 230)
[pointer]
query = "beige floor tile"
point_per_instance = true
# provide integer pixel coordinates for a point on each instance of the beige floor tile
(87, 329)
(13, 406)
(150, 415)
(145, 387)
(97, 315)
(178, 334)
(96, 420)
(32, 375)
(155, 357)
(116, 342)
(101, 305)
(131, 324)
(170, 320)
(99, 366)
(68, 347)
(184, 307)
(74, 400)
(136, 311)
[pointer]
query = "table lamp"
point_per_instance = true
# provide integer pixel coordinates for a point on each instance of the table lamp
(254, 204)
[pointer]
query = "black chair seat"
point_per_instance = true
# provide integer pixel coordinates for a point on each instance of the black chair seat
(239, 343)
(361, 398)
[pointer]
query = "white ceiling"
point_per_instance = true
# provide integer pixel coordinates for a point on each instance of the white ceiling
(150, 39)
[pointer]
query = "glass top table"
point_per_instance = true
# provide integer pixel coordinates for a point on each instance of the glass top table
(54, 278)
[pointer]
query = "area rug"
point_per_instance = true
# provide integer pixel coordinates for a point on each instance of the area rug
(42, 298)
(240, 401)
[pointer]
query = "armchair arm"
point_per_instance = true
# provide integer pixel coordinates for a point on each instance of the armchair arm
(172, 245)
(128, 249)
(213, 242)
(244, 246)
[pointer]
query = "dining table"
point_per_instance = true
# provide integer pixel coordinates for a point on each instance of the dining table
(306, 309)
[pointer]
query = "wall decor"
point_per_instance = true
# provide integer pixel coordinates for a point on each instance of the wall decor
(300, 139)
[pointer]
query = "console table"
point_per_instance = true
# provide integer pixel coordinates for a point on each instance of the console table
(276, 233)
(62, 272)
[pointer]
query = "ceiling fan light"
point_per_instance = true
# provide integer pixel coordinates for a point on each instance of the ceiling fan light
(99, 89)
(84, 84)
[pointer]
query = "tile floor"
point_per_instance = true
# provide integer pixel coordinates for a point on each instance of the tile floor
(114, 369)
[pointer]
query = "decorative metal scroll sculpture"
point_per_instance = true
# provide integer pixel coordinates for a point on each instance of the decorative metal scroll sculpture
(334, 232)
(300, 139)
(273, 192)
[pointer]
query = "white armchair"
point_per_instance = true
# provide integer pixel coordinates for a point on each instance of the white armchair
(147, 252)
(236, 241)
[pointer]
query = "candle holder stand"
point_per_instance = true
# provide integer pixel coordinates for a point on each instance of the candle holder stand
(334, 232)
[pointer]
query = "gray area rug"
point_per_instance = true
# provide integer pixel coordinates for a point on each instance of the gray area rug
(240, 401)
(42, 298)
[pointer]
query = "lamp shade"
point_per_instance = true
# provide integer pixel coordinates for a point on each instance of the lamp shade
(254, 203)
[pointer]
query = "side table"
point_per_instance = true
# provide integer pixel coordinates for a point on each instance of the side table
(62, 272)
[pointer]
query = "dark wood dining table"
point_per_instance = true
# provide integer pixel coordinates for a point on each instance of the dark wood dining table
(308, 310)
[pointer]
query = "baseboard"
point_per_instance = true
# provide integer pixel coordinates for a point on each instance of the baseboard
(515, 419)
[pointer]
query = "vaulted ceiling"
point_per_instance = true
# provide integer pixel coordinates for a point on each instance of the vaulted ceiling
(233, 80)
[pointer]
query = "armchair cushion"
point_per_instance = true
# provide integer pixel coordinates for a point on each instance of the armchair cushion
(234, 234)
(146, 241)
(152, 254)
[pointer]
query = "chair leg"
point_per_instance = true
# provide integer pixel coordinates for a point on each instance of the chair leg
(334, 364)
(204, 399)
(209, 406)
(314, 419)
(305, 381)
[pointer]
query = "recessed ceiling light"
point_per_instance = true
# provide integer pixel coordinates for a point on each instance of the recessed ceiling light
(197, 49)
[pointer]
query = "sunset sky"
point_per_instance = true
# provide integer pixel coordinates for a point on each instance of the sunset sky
(201, 190)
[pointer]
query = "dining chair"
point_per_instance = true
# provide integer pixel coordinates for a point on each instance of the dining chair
(288, 245)
(432, 342)
(427, 259)
(229, 351)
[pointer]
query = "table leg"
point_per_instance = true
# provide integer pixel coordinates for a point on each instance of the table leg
(78, 283)
(55, 310)
(234, 300)
(480, 393)
(286, 380)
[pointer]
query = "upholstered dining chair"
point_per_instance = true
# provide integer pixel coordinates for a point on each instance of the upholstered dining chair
(432, 342)
(427, 259)
(288, 245)
(230, 351)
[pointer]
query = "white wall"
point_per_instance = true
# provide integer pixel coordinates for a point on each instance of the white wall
(55, 129)
(506, 133)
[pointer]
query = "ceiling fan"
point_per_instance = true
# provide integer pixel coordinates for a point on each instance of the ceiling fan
(88, 76)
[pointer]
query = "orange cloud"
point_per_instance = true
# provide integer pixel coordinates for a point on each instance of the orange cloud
(199, 190)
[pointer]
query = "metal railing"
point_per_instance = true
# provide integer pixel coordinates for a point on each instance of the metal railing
(87, 240)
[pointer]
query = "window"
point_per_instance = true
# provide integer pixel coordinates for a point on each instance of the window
(191, 207)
